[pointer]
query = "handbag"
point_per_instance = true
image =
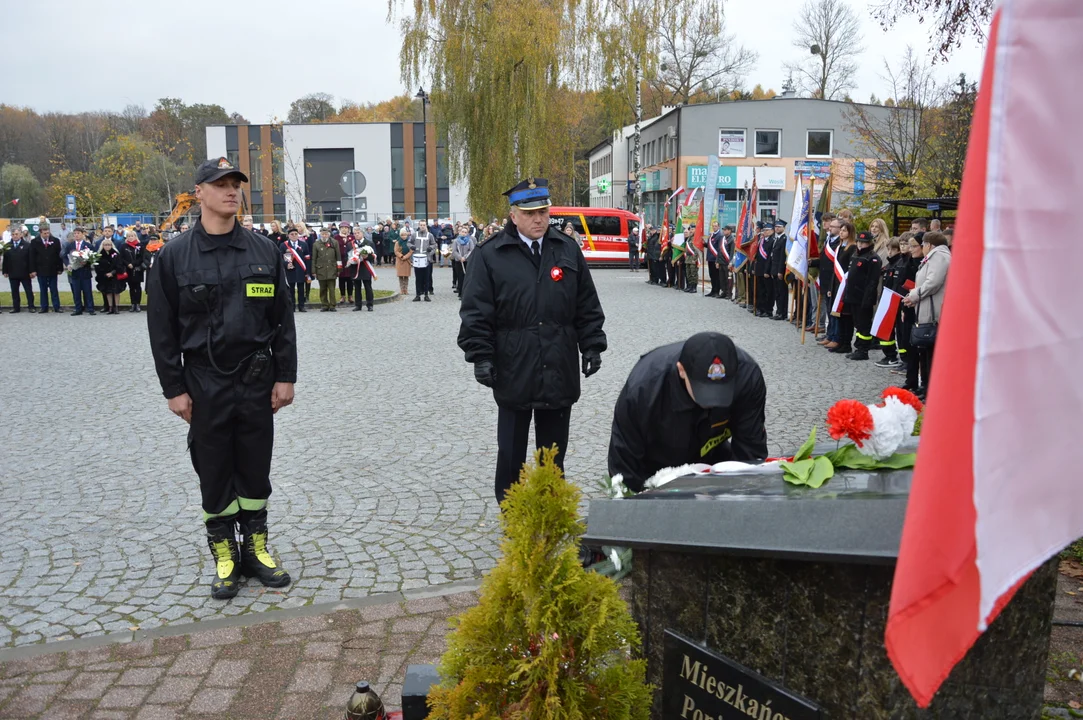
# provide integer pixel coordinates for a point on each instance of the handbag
(924, 336)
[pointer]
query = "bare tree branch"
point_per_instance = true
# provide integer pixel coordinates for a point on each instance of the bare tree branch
(831, 31)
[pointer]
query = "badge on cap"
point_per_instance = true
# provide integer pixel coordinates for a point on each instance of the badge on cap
(557, 274)
(223, 164)
(717, 371)
(530, 184)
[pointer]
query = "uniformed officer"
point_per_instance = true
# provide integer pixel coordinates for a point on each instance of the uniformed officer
(529, 308)
(861, 286)
(761, 271)
(778, 270)
(697, 401)
(222, 335)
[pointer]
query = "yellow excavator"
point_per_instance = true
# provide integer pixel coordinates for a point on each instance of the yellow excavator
(183, 204)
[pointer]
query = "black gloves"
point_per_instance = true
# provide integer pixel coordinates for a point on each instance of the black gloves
(483, 373)
(592, 362)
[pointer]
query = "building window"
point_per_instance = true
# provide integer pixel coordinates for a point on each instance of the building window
(398, 209)
(278, 176)
(769, 200)
(419, 167)
(398, 169)
(731, 143)
(768, 143)
(255, 170)
(441, 168)
(421, 211)
(280, 211)
(443, 209)
(818, 143)
(234, 158)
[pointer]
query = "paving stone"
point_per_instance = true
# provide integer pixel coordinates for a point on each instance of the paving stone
(90, 685)
(141, 676)
(124, 697)
(174, 690)
(397, 519)
(211, 700)
(227, 673)
(311, 677)
(193, 662)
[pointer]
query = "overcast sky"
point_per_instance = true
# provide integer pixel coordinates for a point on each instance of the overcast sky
(256, 56)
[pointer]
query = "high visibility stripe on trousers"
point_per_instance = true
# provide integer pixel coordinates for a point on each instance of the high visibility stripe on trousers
(863, 337)
(887, 343)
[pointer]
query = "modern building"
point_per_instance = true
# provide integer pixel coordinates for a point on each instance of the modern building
(776, 140)
(611, 166)
(295, 170)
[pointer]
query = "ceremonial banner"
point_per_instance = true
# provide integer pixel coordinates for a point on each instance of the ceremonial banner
(710, 193)
(993, 494)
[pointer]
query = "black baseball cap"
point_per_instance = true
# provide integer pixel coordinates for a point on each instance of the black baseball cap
(217, 168)
(865, 237)
(710, 361)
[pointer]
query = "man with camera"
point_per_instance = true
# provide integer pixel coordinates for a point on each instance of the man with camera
(225, 349)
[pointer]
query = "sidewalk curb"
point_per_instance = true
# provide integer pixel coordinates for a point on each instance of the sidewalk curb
(243, 620)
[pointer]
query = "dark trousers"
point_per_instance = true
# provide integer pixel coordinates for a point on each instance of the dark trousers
(458, 274)
(782, 297)
(27, 286)
(846, 330)
(863, 327)
(345, 287)
(423, 280)
(362, 280)
(135, 291)
(81, 291)
(46, 285)
(925, 365)
(633, 259)
(230, 438)
(765, 294)
(307, 290)
(716, 279)
(297, 293)
(512, 429)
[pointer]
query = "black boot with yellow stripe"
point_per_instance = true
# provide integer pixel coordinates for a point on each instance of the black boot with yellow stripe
(222, 540)
(256, 560)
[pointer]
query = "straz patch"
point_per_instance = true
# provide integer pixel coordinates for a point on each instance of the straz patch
(714, 442)
(259, 290)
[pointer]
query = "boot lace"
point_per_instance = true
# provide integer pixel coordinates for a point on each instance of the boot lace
(223, 555)
(258, 543)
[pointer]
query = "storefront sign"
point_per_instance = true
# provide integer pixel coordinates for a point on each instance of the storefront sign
(657, 180)
(731, 143)
(698, 683)
(819, 168)
(736, 177)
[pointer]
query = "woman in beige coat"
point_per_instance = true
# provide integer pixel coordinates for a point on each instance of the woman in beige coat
(403, 261)
(928, 295)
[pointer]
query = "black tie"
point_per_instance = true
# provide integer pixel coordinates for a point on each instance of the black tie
(535, 252)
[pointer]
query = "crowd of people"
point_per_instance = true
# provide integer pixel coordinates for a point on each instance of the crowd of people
(340, 258)
(858, 266)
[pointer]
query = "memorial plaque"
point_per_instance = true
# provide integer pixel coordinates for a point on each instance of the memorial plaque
(698, 684)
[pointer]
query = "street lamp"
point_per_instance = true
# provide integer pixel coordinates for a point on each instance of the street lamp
(424, 98)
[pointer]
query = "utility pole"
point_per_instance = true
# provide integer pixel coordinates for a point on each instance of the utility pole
(637, 199)
(424, 97)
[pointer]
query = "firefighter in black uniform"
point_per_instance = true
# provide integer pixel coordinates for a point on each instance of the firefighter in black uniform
(700, 401)
(224, 346)
(862, 281)
(529, 308)
(781, 293)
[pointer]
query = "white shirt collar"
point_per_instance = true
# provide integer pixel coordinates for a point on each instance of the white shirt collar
(528, 241)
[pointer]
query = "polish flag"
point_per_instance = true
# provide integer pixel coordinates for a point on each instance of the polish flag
(836, 307)
(691, 197)
(883, 322)
(992, 498)
(676, 192)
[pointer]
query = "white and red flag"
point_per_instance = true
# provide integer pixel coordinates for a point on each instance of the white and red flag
(883, 322)
(691, 197)
(992, 496)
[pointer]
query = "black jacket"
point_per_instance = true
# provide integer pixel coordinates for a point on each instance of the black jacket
(778, 255)
(657, 425)
(238, 289)
(862, 280)
(894, 273)
(106, 270)
(17, 264)
(827, 267)
(45, 259)
(761, 266)
(844, 255)
(654, 245)
(137, 257)
(531, 322)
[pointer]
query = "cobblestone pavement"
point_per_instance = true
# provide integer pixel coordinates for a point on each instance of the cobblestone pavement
(300, 668)
(383, 467)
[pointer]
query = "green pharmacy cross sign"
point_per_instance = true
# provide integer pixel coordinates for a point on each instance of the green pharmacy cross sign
(603, 186)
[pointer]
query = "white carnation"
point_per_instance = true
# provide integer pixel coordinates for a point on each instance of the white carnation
(892, 424)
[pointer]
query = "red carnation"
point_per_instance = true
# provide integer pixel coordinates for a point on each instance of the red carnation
(904, 396)
(850, 418)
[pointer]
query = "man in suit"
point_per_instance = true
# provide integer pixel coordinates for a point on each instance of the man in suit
(45, 262)
(297, 256)
(18, 269)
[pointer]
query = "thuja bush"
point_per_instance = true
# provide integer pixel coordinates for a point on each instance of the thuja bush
(548, 640)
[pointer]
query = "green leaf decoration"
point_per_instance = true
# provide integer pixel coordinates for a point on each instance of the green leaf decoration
(822, 471)
(797, 472)
(806, 449)
(898, 461)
